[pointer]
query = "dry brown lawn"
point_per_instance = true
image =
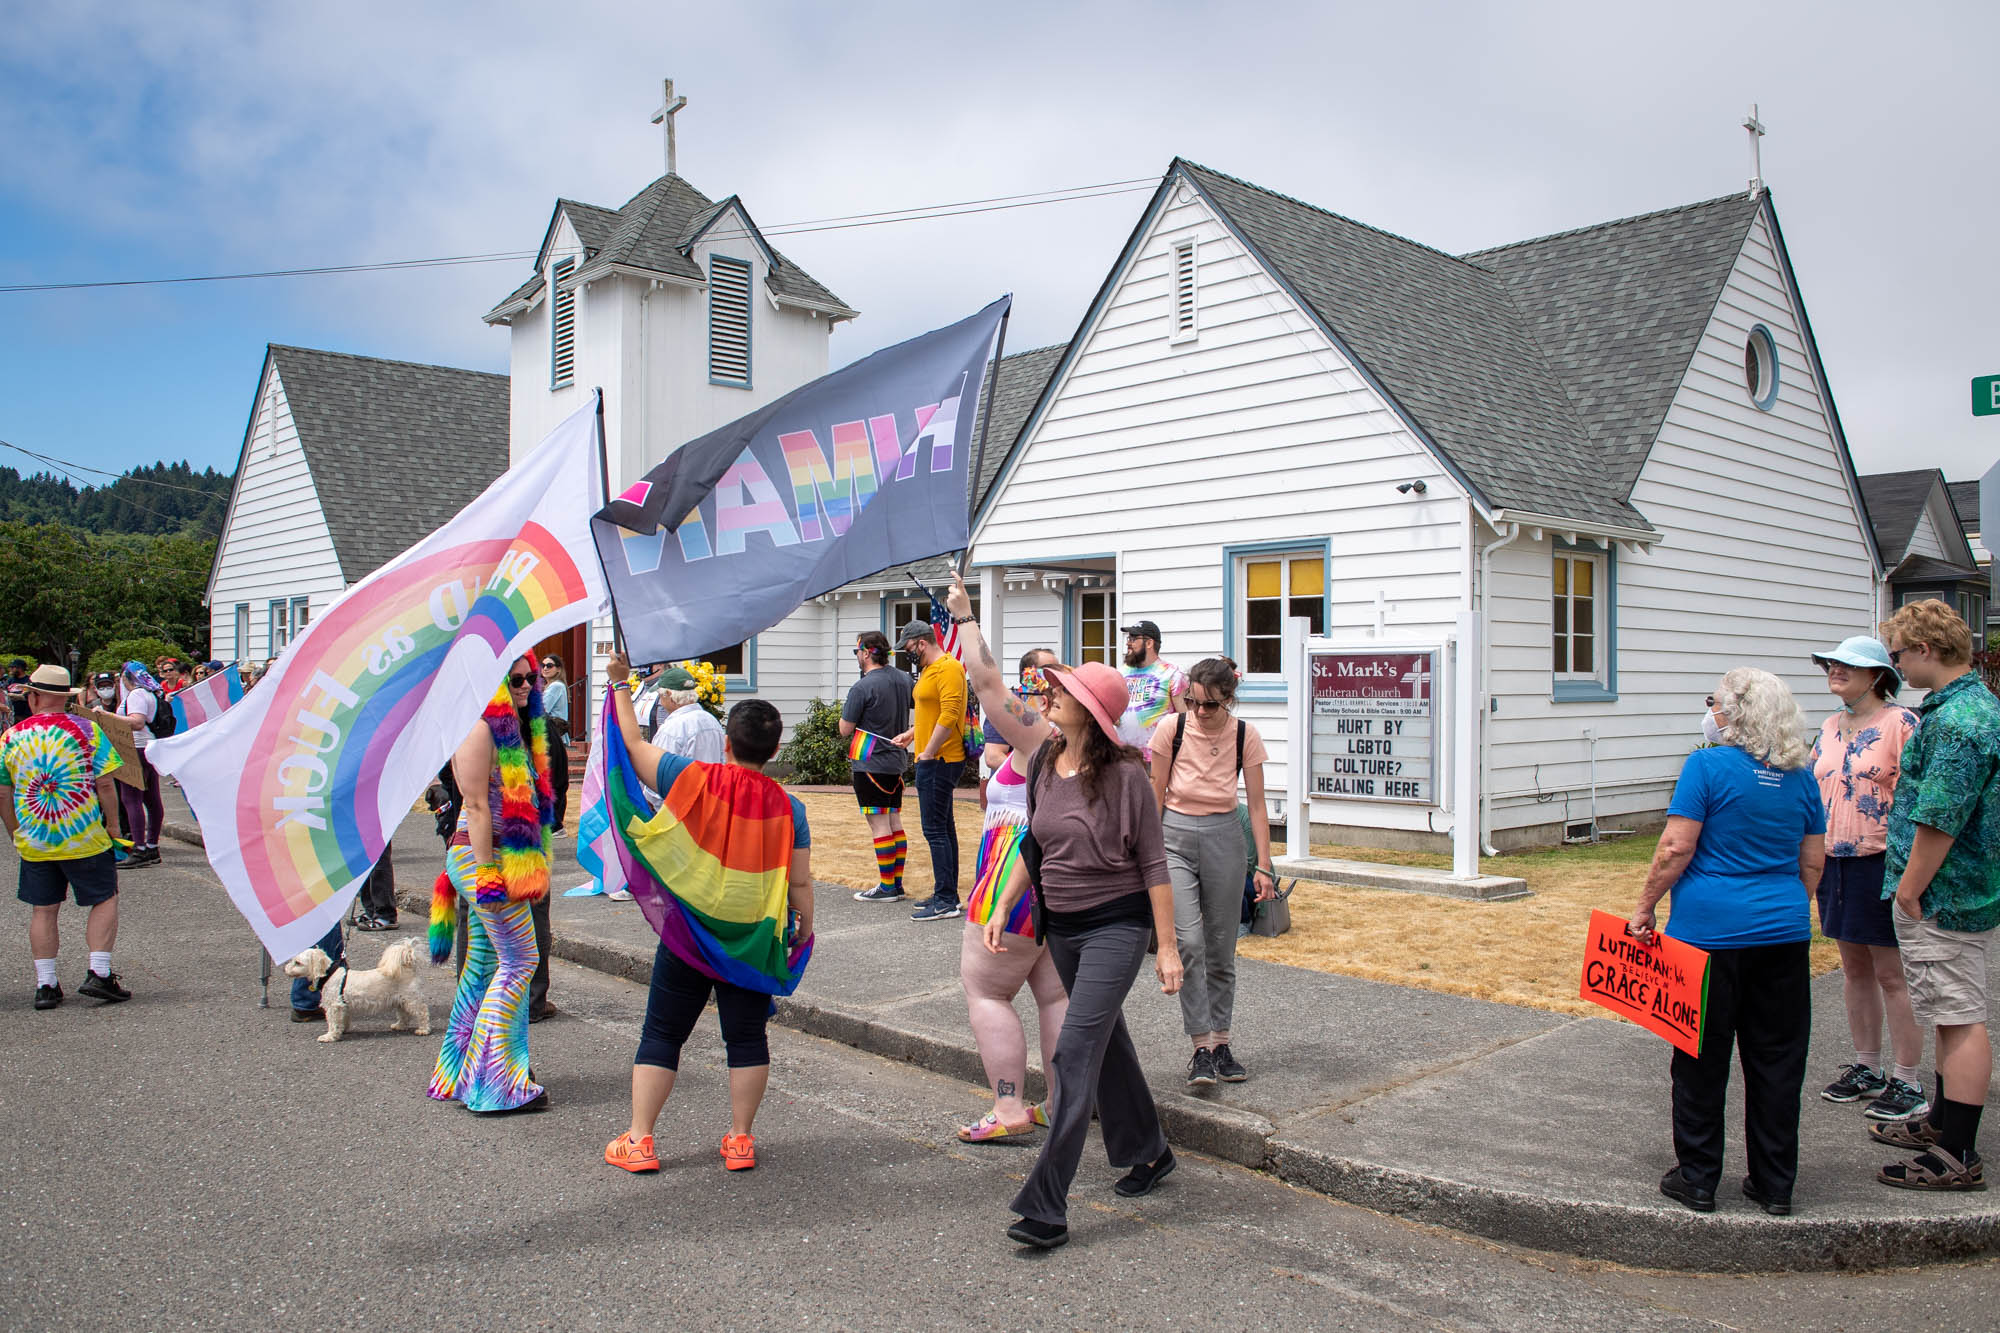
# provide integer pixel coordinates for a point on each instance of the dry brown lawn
(1528, 951)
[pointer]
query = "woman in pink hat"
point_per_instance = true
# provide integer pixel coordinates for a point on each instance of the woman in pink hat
(1103, 892)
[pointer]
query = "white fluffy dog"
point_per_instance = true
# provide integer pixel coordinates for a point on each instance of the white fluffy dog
(391, 986)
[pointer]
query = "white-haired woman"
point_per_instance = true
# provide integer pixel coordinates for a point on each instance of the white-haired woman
(1742, 853)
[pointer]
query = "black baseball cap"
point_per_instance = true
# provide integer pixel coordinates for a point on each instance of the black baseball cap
(916, 629)
(1145, 629)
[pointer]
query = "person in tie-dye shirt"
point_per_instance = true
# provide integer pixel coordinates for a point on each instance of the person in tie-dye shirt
(1155, 686)
(55, 799)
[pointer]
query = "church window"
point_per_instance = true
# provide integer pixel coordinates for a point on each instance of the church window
(241, 643)
(562, 325)
(1273, 586)
(729, 322)
(1097, 627)
(1184, 323)
(1760, 368)
(1583, 630)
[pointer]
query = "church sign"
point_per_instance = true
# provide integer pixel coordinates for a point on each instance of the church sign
(1374, 724)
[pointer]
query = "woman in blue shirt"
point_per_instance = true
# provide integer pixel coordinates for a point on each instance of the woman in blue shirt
(1742, 853)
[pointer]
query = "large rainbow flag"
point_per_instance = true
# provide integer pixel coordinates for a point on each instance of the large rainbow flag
(301, 784)
(710, 868)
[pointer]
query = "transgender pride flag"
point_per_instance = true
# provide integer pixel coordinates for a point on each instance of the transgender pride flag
(199, 702)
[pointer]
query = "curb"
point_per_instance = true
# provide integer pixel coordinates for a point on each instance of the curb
(1616, 1233)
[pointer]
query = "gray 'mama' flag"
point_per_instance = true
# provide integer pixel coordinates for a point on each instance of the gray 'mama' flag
(841, 478)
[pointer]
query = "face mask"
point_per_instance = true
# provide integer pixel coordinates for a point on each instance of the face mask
(107, 695)
(1710, 731)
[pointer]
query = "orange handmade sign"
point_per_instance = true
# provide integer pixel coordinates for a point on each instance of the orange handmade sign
(1663, 988)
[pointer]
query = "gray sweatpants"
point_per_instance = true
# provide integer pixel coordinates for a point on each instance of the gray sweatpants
(1205, 862)
(1095, 1068)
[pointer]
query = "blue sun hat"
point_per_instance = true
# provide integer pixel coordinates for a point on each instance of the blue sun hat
(1861, 651)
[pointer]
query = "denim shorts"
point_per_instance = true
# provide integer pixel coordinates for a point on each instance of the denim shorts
(93, 879)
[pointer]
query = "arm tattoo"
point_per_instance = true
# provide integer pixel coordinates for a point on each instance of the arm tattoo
(1018, 711)
(986, 655)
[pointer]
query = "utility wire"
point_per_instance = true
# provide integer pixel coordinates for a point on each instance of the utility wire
(65, 466)
(920, 213)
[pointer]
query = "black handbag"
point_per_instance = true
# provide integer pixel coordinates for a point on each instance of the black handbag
(1031, 850)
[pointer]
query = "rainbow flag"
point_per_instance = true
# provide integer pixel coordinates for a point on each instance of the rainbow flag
(866, 744)
(710, 868)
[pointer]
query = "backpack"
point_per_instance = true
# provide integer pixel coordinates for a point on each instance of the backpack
(165, 721)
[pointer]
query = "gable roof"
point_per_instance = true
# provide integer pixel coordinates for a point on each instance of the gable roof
(1539, 371)
(654, 232)
(1895, 502)
(395, 448)
(1965, 503)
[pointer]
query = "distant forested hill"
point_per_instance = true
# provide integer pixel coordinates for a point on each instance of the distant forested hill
(154, 500)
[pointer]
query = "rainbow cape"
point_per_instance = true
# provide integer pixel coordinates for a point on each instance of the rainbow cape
(710, 868)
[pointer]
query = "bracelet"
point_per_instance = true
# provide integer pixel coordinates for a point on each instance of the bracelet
(625, 685)
(963, 620)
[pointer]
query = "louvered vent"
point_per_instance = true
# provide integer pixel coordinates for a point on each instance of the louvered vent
(729, 321)
(1184, 290)
(562, 331)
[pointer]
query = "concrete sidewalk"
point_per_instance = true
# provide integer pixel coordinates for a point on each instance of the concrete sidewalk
(1524, 1126)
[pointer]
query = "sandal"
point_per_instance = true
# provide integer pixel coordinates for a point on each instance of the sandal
(1934, 1169)
(374, 923)
(1038, 1112)
(989, 1128)
(1917, 1134)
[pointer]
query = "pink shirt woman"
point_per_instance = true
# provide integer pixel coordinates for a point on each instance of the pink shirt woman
(1856, 767)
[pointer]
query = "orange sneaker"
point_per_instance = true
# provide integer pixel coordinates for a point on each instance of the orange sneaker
(739, 1151)
(632, 1154)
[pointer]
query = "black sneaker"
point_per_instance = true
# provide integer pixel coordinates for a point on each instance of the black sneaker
(103, 988)
(48, 997)
(881, 893)
(1899, 1101)
(1676, 1187)
(1142, 1178)
(1770, 1203)
(1227, 1068)
(1041, 1235)
(1855, 1082)
(1201, 1069)
(308, 1015)
(137, 860)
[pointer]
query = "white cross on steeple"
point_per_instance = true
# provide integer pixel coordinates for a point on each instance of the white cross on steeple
(1756, 129)
(665, 116)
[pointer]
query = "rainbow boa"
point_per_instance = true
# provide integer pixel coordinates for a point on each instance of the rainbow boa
(723, 837)
(527, 814)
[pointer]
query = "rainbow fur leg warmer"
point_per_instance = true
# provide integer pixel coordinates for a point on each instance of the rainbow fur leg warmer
(444, 917)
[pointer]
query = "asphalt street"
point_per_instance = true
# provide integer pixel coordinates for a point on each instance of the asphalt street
(190, 1160)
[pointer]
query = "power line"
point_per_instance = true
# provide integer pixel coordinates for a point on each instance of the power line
(70, 468)
(918, 213)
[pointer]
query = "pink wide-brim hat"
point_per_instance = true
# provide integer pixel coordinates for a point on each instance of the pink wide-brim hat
(1100, 689)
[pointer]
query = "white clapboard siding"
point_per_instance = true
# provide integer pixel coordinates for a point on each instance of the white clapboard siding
(791, 663)
(1762, 558)
(1031, 620)
(276, 544)
(1255, 430)
(1924, 539)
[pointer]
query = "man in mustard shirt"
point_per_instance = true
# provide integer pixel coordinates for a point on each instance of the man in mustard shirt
(937, 734)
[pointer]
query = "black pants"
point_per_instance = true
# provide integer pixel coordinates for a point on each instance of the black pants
(1095, 1068)
(1760, 1002)
(678, 996)
(559, 769)
(378, 891)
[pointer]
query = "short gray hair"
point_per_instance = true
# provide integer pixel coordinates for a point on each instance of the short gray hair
(1763, 718)
(682, 698)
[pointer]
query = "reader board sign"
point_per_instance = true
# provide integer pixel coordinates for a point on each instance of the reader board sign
(1374, 724)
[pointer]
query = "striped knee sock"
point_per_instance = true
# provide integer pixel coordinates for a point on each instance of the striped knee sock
(885, 860)
(902, 854)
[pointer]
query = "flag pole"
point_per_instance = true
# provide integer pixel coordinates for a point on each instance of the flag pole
(985, 425)
(604, 493)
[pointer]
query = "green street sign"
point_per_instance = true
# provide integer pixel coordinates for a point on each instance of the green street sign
(1986, 396)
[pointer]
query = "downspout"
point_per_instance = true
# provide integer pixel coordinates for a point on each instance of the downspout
(1486, 846)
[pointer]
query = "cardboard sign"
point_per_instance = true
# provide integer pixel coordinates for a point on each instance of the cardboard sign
(1663, 988)
(119, 729)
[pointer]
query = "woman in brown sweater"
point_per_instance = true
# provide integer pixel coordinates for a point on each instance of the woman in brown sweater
(1104, 889)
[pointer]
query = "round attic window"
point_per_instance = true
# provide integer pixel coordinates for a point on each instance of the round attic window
(1760, 368)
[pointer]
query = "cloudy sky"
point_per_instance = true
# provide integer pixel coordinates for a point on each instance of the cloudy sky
(159, 140)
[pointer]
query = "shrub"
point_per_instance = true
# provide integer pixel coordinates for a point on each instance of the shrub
(815, 753)
(114, 655)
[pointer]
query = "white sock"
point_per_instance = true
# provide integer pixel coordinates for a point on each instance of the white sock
(100, 962)
(45, 971)
(1872, 1059)
(1911, 1075)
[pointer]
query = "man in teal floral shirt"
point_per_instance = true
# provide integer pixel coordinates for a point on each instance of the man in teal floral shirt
(1944, 873)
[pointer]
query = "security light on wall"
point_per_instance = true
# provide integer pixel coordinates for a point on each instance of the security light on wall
(1408, 486)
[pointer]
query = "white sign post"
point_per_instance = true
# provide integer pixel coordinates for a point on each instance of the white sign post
(1467, 717)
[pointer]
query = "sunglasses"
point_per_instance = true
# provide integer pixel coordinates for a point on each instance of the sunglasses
(1895, 657)
(518, 681)
(1206, 705)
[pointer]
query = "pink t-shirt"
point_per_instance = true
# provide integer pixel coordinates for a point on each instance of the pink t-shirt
(1857, 779)
(1203, 781)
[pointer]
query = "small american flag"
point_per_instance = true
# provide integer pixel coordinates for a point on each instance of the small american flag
(206, 699)
(947, 633)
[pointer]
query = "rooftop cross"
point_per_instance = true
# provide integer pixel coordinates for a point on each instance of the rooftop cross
(1756, 129)
(665, 116)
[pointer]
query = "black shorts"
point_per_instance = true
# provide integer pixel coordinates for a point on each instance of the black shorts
(93, 879)
(878, 791)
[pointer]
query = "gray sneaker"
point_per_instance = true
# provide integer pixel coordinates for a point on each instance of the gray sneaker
(1899, 1101)
(1855, 1082)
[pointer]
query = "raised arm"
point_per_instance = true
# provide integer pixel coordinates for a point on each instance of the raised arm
(1021, 725)
(646, 756)
(471, 765)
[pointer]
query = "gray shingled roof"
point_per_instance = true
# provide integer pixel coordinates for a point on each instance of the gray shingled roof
(1925, 568)
(1895, 502)
(1965, 503)
(1618, 309)
(395, 448)
(652, 232)
(1541, 370)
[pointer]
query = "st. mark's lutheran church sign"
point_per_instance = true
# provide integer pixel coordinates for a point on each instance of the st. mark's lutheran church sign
(1374, 725)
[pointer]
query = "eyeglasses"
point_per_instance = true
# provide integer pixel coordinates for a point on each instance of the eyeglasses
(1206, 705)
(550, 664)
(1711, 701)
(518, 681)
(1895, 657)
